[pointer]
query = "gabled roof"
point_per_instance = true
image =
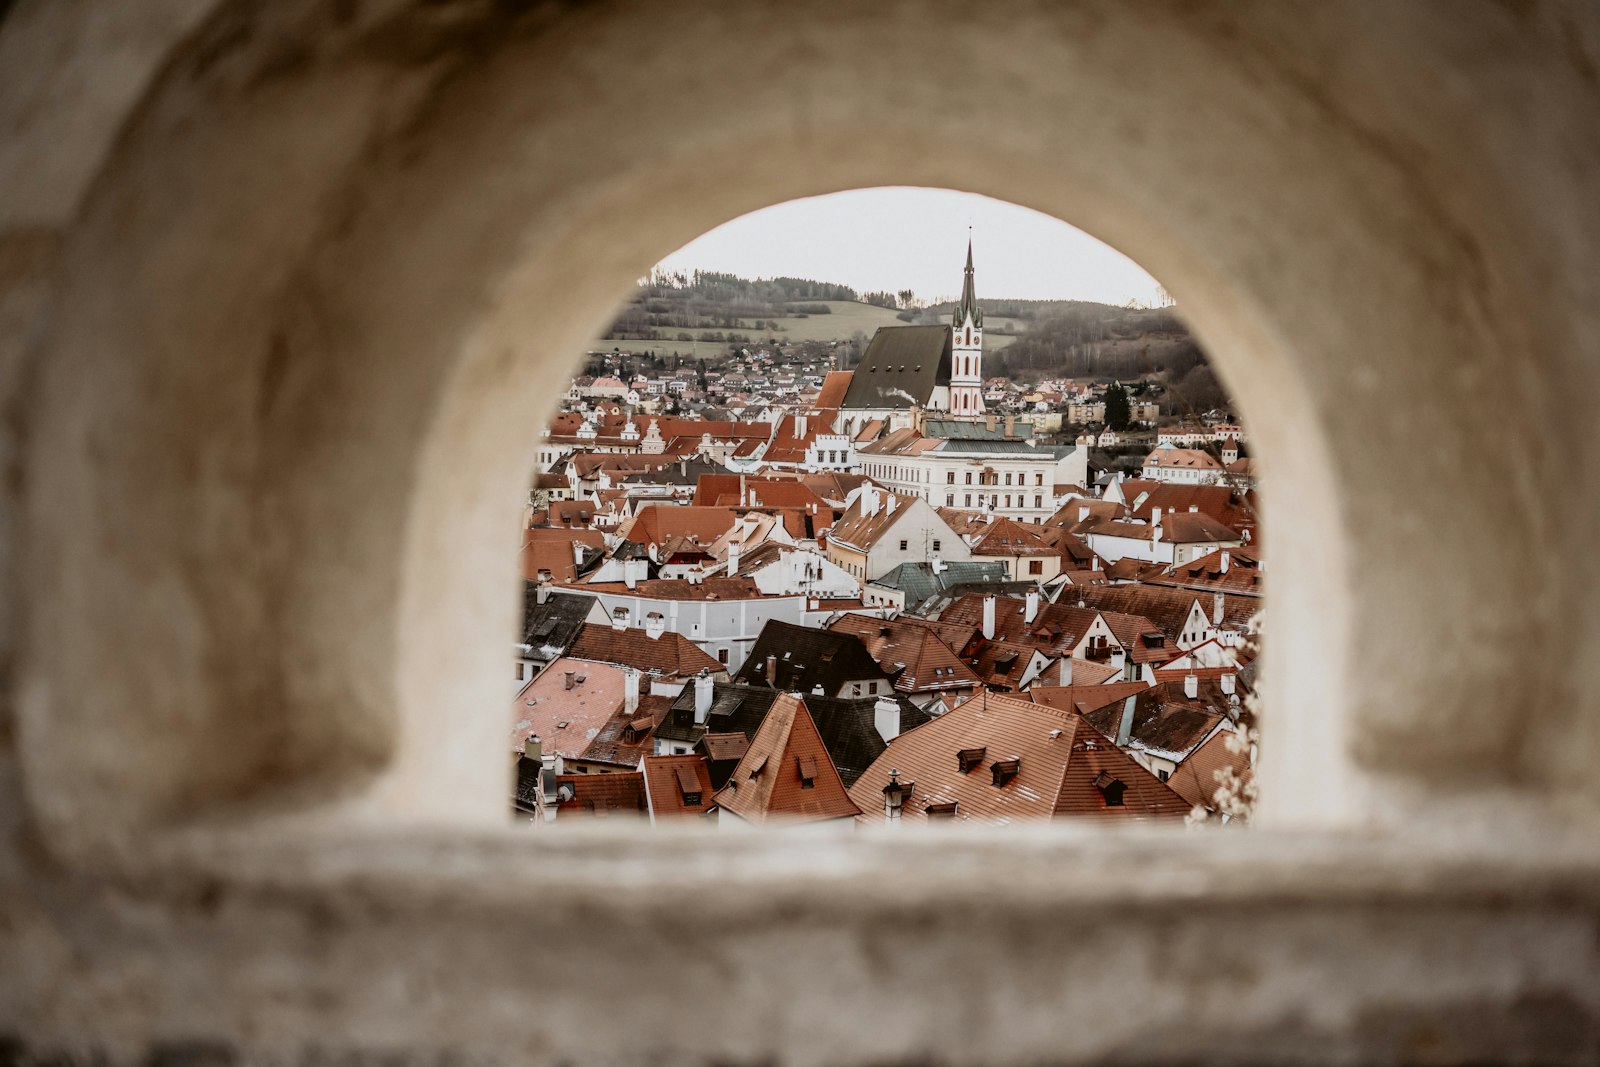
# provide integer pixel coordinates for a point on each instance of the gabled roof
(625, 739)
(1084, 698)
(659, 523)
(671, 655)
(787, 775)
(911, 651)
(1007, 537)
(900, 368)
(1063, 768)
(1166, 606)
(849, 731)
(677, 785)
(600, 794)
(862, 530)
(735, 708)
(1196, 777)
(834, 388)
(1164, 723)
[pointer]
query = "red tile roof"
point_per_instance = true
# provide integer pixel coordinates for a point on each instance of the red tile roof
(1064, 768)
(787, 774)
(621, 793)
(911, 651)
(671, 655)
(678, 785)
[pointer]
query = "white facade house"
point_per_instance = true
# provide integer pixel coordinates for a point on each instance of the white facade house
(725, 628)
(1184, 466)
(1014, 478)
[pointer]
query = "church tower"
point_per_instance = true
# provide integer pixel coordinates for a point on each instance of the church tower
(966, 350)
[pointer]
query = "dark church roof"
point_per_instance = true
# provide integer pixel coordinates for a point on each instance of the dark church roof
(901, 367)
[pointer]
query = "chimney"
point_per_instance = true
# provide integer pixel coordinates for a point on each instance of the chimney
(744, 494)
(1218, 602)
(630, 690)
(541, 592)
(988, 617)
(936, 564)
(772, 671)
(988, 421)
(1155, 516)
(890, 503)
(1125, 724)
(1227, 682)
(577, 553)
(703, 692)
(1030, 609)
(1191, 686)
(632, 571)
(1119, 659)
(894, 797)
(1226, 559)
(1011, 424)
(1066, 670)
(1083, 512)
(619, 621)
(733, 558)
(886, 717)
(532, 747)
(571, 680)
(654, 625)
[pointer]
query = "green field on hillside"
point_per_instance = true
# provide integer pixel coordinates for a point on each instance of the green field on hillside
(845, 319)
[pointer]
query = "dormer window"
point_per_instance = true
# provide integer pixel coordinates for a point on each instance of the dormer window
(968, 758)
(942, 810)
(1005, 770)
(807, 767)
(1110, 788)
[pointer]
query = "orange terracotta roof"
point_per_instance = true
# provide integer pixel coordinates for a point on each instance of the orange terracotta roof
(787, 774)
(834, 385)
(1196, 777)
(911, 651)
(566, 720)
(678, 785)
(601, 794)
(1063, 768)
(657, 523)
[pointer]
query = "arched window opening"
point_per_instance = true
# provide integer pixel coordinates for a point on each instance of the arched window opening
(736, 591)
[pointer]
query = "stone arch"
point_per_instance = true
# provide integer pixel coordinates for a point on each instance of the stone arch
(289, 386)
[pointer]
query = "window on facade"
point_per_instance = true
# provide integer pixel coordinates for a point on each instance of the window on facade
(1036, 566)
(969, 477)
(722, 655)
(967, 501)
(950, 477)
(904, 545)
(936, 544)
(1038, 501)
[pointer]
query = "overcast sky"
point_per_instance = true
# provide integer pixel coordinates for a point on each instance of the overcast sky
(906, 238)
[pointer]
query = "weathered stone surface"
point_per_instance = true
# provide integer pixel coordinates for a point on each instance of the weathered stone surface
(284, 287)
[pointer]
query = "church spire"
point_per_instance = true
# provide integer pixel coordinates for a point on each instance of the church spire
(969, 297)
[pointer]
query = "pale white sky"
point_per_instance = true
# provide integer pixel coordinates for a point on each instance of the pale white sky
(900, 237)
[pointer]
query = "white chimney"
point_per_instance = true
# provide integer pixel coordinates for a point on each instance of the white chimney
(988, 617)
(577, 553)
(1227, 683)
(619, 619)
(1226, 559)
(1066, 670)
(1119, 659)
(1125, 723)
(541, 592)
(886, 717)
(630, 690)
(632, 571)
(733, 558)
(1030, 610)
(1191, 686)
(1155, 516)
(703, 692)
(892, 501)
(654, 625)
(1218, 603)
